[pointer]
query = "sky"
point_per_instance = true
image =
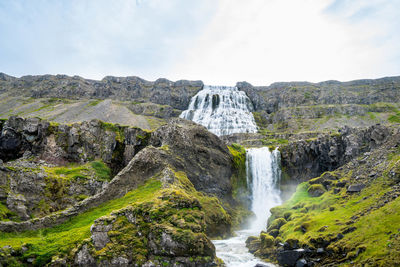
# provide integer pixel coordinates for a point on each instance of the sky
(217, 41)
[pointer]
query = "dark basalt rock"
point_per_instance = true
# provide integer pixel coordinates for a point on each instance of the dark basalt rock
(303, 160)
(290, 257)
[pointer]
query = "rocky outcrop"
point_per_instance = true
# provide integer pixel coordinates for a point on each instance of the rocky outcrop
(162, 91)
(293, 94)
(33, 188)
(304, 159)
(202, 155)
(326, 223)
(167, 231)
(79, 142)
(183, 145)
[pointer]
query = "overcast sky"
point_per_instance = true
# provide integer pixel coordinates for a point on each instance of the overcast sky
(217, 41)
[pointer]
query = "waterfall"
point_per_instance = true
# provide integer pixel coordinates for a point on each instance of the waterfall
(222, 110)
(263, 177)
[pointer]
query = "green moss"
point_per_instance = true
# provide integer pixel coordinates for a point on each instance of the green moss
(95, 102)
(261, 121)
(276, 224)
(61, 239)
(274, 142)
(267, 241)
(238, 179)
(116, 128)
(102, 170)
(374, 238)
(154, 122)
(5, 213)
(218, 221)
(316, 190)
(394, 118)
(95, 169)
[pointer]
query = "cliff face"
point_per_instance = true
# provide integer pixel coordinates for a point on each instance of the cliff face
(162, 91)
(172, 191)
(305, 159)
(346, 216)
(283, 95)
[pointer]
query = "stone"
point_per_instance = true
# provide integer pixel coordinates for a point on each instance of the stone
(290, 257)
(120, 261)
(83, 257)
(301, 263)
(100, 235)
(355, 188)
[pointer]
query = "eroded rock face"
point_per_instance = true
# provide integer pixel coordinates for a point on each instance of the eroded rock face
(305, 159)
(30, 191)
(293, 94)
(162, 91)
(79, 142)
(182, 145)
(201, 154)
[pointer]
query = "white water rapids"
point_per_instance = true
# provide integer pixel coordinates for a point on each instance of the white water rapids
(222, 110)
(225, 110)
(263, 175)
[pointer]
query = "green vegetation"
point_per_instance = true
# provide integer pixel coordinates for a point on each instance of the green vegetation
(154, 122)
(94, 169)
(61, 239)
(95, 102)
(260, 120)
(116, 128)
(178, 210)
(272, 143)
(239, 180)
(369, 234)
(5, 213)
(218, 221)
(394, 118)
(102, 170)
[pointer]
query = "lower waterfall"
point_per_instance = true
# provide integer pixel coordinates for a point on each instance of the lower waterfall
(263, 176)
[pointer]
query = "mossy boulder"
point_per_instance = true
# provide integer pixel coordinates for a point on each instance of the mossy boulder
(316, 190)
(276, 224)
(267, 240)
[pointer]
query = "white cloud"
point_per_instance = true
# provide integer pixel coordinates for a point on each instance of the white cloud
(266, 41)
(220, 42)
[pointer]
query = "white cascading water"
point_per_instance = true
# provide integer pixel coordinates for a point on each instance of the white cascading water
(263, 176)
(225, 110)
(222, 110)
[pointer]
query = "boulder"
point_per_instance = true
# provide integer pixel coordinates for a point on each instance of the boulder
(290, 257)
(354, 188)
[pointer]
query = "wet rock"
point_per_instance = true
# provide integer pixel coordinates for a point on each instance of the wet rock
(290, 257)
(341, 184)
(355, 188)
(301, 263)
